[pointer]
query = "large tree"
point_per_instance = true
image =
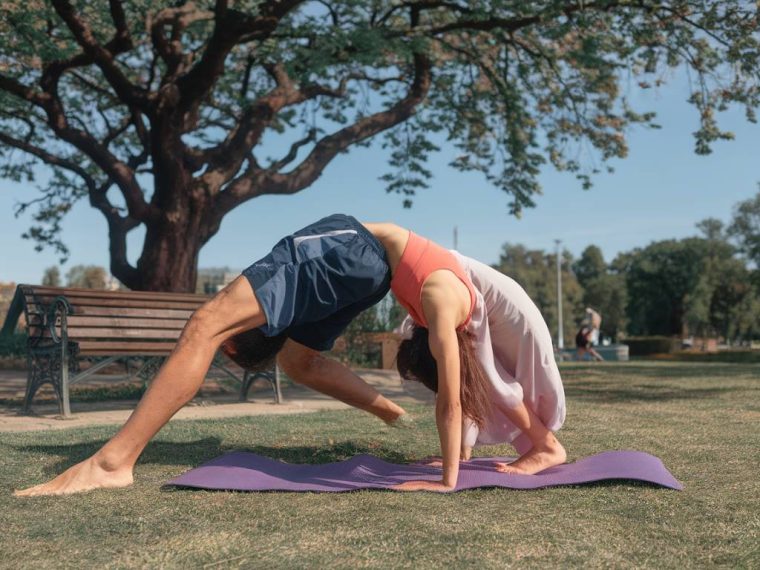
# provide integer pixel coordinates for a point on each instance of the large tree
(156, 112)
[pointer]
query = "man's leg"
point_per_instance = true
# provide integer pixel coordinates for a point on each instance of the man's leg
(233, 310)
(595, 355)
(310, 368)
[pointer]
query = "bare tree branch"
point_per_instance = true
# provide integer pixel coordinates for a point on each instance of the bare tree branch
(257, 182)
(293, 153)
(229, 29)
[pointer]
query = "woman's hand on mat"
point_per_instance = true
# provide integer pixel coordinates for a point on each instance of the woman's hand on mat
(437, 460)
(432, 461)
(436, 486)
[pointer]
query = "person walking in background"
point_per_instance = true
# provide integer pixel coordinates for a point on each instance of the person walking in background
(588, 336)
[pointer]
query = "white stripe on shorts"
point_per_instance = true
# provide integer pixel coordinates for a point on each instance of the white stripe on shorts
(298, 240)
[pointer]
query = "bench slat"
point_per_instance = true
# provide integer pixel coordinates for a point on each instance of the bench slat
(141, 303)
(96, 347)
(131, 312)
(75, 321)
(75, 292)
(104, 333)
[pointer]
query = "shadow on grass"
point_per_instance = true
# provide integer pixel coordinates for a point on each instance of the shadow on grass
(199, 451)
(158, 452)
(657, 370)
(327, 454)
(598, 392)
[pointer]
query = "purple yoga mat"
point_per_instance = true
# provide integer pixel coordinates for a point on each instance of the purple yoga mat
(242, 471)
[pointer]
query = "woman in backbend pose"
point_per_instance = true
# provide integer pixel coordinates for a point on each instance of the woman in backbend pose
(514, 349)
(294, 303)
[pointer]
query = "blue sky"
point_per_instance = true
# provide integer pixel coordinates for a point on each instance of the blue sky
(660, 191)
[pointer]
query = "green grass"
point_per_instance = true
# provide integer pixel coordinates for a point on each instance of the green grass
(701, 419)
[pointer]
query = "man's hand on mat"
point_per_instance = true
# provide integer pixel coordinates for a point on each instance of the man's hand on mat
(404, 421)
(436, 486)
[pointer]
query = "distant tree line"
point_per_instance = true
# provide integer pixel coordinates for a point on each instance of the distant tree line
(86, 276)
(707, 285)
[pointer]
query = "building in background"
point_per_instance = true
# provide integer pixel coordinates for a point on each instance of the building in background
(214, 279)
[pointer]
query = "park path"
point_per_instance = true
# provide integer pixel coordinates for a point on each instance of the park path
(210, 404)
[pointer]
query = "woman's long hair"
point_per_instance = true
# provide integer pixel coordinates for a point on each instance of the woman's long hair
(415, 362)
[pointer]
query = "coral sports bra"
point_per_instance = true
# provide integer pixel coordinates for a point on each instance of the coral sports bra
(420, 258)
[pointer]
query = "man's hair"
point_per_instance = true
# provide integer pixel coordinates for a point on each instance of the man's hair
(252, 350)
(415, 362)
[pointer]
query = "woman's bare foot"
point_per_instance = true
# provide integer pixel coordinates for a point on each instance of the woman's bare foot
(85, 476)
(536, 460)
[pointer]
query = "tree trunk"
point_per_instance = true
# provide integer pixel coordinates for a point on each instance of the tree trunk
(169, 261)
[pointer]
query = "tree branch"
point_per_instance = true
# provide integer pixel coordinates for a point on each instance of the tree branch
(49, 158)
(180, 18)
(293, 153)
(22, 91)
(257, 182)
(229, 28)
(101, 56)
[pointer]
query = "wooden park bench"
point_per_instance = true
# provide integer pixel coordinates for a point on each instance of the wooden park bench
(66, 326)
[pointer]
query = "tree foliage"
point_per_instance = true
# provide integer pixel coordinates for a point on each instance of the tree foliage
(536, 272)
(52, 277)
(86, 276)
(156, 112)
(689, 286)
(603, 289)
(745, 228)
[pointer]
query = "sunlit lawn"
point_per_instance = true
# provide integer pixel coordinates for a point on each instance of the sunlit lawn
(703, 420)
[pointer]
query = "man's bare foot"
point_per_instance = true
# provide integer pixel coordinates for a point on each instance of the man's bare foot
(85, 476)
(535, 460)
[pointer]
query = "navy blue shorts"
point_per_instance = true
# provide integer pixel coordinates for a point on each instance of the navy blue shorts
(316, 281)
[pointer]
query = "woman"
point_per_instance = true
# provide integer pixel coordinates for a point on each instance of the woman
(514, 352)
(507, 350)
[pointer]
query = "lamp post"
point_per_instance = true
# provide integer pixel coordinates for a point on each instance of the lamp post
(560, 336)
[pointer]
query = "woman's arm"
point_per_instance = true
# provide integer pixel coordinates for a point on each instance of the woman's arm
(448, 407)
(442, 318)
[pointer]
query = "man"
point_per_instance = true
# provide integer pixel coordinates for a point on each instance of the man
(293, 303)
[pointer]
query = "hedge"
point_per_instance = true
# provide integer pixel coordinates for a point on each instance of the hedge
(646, 345)
(12, 345)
